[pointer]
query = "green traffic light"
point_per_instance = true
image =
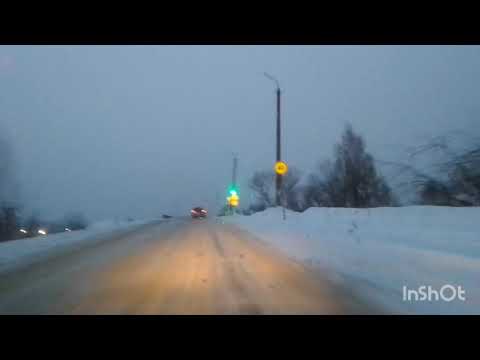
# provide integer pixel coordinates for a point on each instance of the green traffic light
(232, 190)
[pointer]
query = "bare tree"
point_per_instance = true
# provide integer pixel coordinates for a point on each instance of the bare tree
(262, 183)
(351, 180)
(453, 179)
(464, 177)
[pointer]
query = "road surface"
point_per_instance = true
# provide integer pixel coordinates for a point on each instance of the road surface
(174, 267)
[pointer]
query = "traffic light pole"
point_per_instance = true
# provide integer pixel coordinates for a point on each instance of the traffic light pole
(234, 172)
(234, 178)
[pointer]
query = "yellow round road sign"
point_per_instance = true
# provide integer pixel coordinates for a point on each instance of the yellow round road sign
(281, 168)
(233, 200)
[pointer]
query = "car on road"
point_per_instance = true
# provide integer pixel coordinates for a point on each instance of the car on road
(198, 213)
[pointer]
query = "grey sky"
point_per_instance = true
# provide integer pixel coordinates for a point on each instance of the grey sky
(142, 130)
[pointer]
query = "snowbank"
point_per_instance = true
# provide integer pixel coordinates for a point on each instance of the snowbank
(23, 251)
(379, 251)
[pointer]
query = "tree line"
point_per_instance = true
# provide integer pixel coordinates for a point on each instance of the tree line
(351, 179)
(13, 225)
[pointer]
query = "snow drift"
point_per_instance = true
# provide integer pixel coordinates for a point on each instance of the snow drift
(379, 251)
(23, 251)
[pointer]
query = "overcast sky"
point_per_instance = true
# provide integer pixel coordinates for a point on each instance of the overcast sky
(145, 130)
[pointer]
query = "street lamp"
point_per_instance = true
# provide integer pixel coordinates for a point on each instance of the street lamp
(273, 79)
(278, 178)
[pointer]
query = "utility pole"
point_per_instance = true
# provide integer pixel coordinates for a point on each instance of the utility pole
(278, 178)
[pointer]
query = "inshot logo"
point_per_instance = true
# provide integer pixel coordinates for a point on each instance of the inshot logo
(428, 293)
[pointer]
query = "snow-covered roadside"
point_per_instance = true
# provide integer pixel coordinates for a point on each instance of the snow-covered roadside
(379, 251)
(23, 251)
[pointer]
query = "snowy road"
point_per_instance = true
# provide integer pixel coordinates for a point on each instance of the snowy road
(176, 267)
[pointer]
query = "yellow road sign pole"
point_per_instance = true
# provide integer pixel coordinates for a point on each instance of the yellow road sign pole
(281, 168)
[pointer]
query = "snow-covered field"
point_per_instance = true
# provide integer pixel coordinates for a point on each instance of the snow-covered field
(379, 251)
(23, 251)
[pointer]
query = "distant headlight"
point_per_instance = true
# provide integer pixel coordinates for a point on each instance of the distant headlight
(42, 232)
